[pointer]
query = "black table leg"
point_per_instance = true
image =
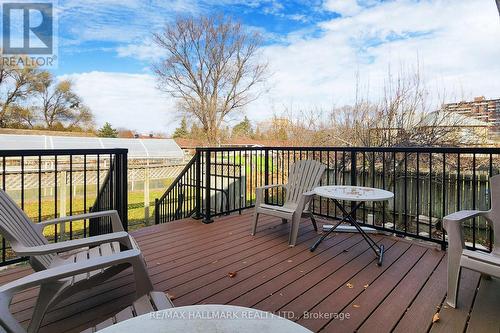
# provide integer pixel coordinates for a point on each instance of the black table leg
(380, 254)
(315, 245)
(348, 216)
(345, 218)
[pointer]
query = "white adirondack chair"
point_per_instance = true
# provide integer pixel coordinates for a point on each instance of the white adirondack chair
(459, 256)
(304, 176)
(152, 301)
(26, 239)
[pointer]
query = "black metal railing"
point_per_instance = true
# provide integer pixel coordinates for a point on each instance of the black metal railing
(428, 184)
(112, 195)
(52, 183)
(179, 200)
(201, 178)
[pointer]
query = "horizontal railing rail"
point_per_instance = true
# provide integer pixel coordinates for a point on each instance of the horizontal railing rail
(53, 183)
(454, 150)
(428, 184)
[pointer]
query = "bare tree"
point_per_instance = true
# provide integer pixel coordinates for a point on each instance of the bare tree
(351, 124)
(211, 67)
(404, 117)
(59, 105)
(16, 85)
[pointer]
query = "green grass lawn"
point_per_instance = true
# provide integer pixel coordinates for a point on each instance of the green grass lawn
(135, 211)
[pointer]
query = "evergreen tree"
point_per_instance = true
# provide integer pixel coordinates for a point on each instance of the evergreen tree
(244, 128)
(106, 131)
(182, 131)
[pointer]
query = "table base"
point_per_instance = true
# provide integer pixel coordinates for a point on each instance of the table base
(377, 249)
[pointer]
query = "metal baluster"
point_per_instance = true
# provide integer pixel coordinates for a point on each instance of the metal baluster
(474, 188)
(55, 197)
(418, 194)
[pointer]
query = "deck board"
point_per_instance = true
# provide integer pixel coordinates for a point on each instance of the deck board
(369, 298)
(333, 293)
(388, 312)
(454, 320)
(191, 261)
(484, 316)
(418, 316)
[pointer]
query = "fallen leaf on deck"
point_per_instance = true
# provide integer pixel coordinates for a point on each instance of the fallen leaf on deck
(289, 260)
(350, 286)
(435, 318)
(355, 306)
(171, 296)
(231, 274)
(366, 286)
(215, 261)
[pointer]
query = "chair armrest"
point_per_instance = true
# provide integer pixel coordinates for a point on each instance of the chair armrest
(68, 270)
(52, 276)
(267, 187)
(120, 236)
(451, 223)
(259, 192)
(464, 215)
(113, 214)
(305, 198)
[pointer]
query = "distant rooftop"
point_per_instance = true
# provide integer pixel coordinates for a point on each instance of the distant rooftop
(451, 119)
(137, 148)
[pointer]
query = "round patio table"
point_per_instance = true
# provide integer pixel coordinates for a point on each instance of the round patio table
(358, 195)
(207, 318)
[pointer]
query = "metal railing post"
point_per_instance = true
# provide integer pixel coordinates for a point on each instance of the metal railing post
(198, 181)
(121, 188)
(157, 213)
(266, 174)
(208, 209)
(354, 179)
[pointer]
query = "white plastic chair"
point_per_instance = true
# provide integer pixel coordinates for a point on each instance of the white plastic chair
(304, 176)
(26, 239)
(459, 256)
(149, 302)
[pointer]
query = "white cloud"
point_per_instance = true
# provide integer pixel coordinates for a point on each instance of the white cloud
(456, 42)
(120, 21)
(145, 51)
(342, 7)
(126, 100)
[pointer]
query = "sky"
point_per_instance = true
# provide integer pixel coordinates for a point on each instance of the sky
(316, 49)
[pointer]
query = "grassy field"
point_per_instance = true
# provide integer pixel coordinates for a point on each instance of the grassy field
(135, 211)
(45, 211)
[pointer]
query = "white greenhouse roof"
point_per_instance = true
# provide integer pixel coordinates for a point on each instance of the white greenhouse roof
(137, 148)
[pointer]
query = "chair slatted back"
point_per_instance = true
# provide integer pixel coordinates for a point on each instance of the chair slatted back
(495, 212)
(304, 176)
(18, 229)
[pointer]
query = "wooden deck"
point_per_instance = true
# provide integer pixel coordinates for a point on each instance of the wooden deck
(191, 262)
